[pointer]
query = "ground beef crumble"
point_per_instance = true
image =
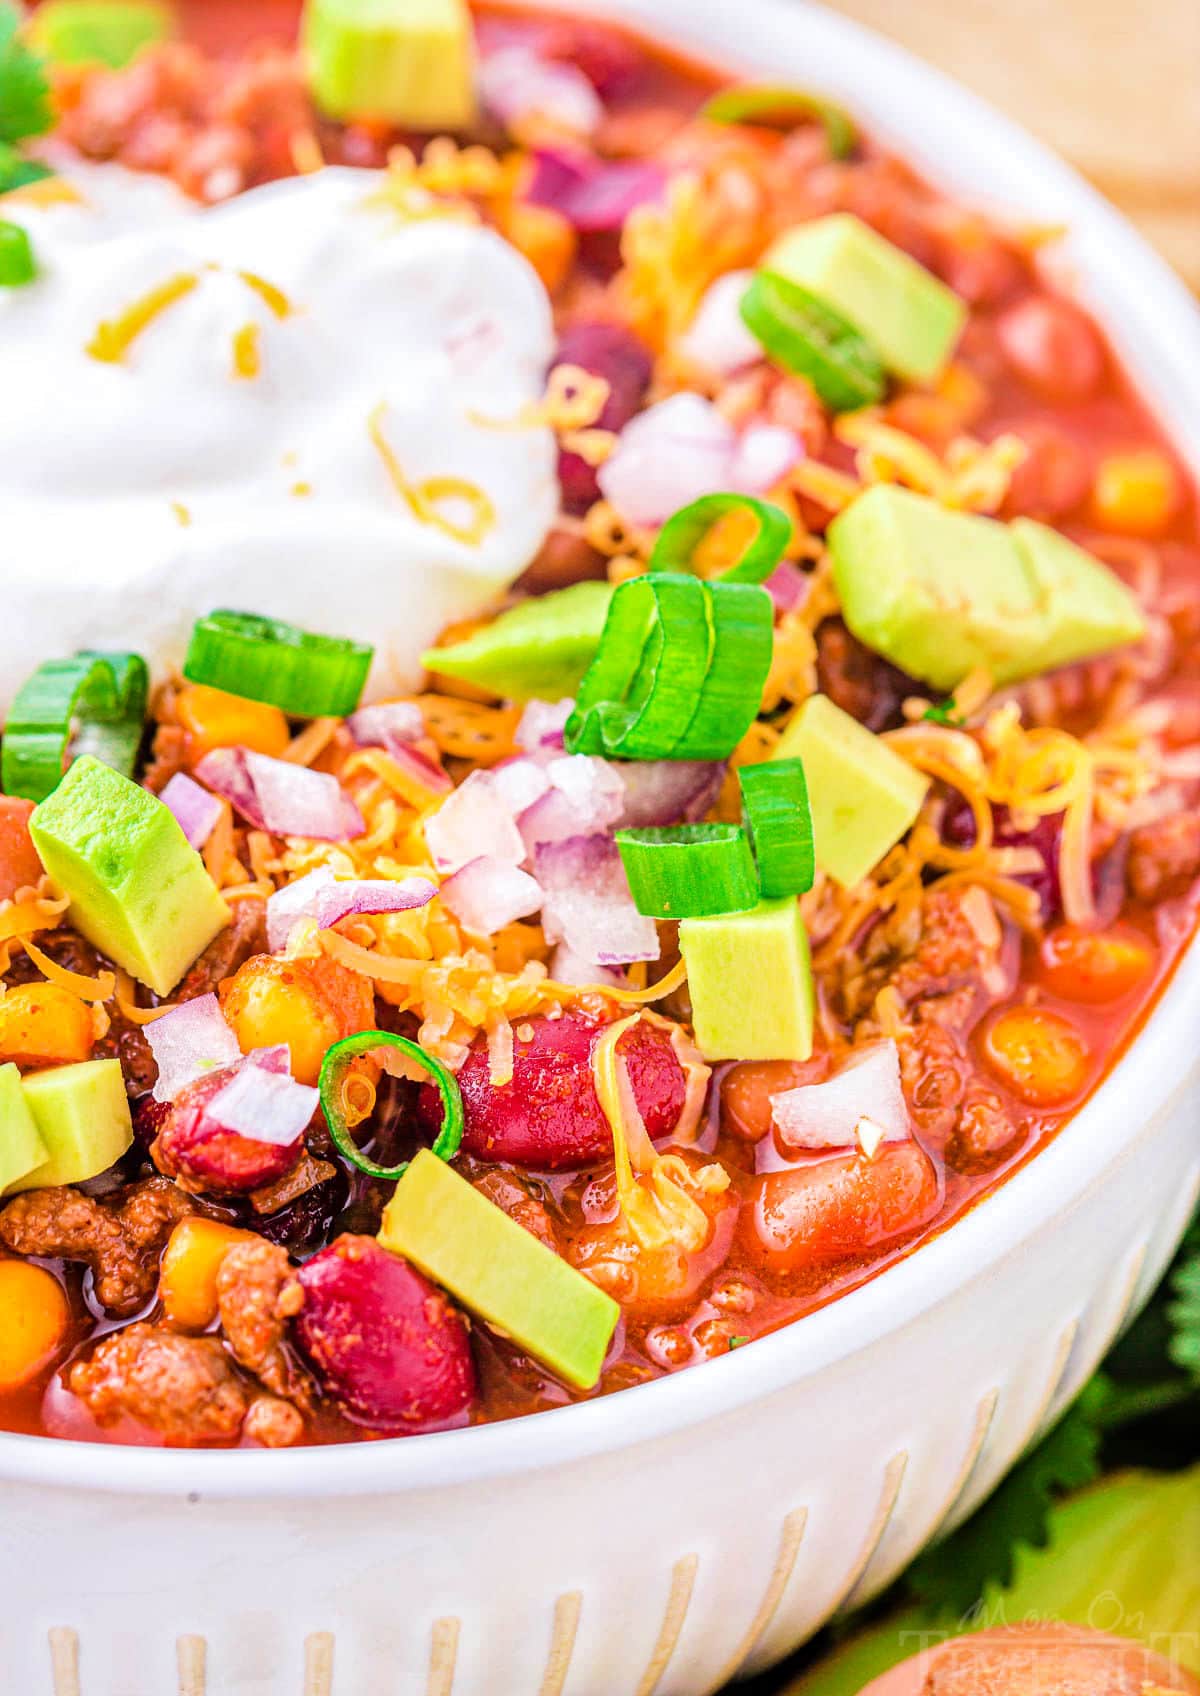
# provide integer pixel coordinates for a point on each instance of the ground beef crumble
(120, 1244)
(257, 1294)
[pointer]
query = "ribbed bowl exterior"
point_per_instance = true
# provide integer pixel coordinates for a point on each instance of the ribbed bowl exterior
(664, 1539)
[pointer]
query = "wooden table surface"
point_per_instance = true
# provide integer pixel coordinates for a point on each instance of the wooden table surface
(1112, 85)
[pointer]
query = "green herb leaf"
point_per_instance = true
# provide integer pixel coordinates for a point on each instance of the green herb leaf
(953, 1576)
(24, 87)
(943, 712)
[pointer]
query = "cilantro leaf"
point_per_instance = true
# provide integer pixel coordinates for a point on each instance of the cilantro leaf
(1183, 1314)
(943, 712)
(952, 1577)
(24, 88)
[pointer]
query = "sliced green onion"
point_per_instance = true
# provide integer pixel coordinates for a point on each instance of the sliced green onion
(105, 693)
(337, 1063)
(263, 659)
(778, 821)
(781, 108)
(639, 692)
(743, 624)
(681, 537)
(811, 340)
(689, 871)
(16, 256)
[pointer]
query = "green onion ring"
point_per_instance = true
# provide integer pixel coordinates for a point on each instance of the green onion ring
(263, 659)
(781, 108)
(808, 338)
(690, 871)
(106, 693)
(743, 636)
(778, 821)
(333, 1072)
(683, 534)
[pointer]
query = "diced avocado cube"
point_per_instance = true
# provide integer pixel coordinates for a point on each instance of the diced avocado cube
(21, 1148)
(81, 1114)
(1085, 607)
(404, 62)
(104, 32)
(750, 982)
(537, 650)
(138, 889)
(863, 796)
(936, 592)
(910, 318)
(499, 1271)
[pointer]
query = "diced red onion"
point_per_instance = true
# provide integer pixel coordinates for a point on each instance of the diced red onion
(787, 586)
(395, 726)
(520, 782)
(264, 1106)
(764, 455)
(568, 967)
(487, 894)
(586, 796)
(717, 338)
(196, 809)
(473, 819)
(827, 1115)
(189, 1042)
(661, 792)
(517, 83)
(587, 903)
(281, 797)
(595, 195)
(540, 730)
(325, 898)
(372, 895)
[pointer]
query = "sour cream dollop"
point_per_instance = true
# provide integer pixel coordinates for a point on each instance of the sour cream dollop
(317, 425)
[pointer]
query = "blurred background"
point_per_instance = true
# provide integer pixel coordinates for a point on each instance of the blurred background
(1113, 87)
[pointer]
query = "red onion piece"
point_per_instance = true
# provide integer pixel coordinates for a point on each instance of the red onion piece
(280, 797)
(717, 338)
(473, 818)
(196, 810)
(595, 195)
(539, 734)
(614, 353)
(264, 1106)
(827, 1115)
(295, 901)
(660, 792)
(487, 894)
(765, 454)
(567, 967)
(585, 797)
(372, 895)
(395, 726)
(520, 782)
(787, 586)
(587, 903)
(189, 1042)
(517, 83)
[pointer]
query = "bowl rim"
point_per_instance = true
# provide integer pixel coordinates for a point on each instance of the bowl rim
(970, 150)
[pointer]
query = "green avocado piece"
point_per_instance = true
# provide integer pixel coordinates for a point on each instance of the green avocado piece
(750, 982)
(81, 1114)
(939, 592)
(1085, 607)
(138, 890)
(21, 1148)
(537, 650)
(105, 32)
(499, 1271)
(911, 319)
(404, 62)
(863, 796)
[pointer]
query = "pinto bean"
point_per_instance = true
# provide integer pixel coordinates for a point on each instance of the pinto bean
(383, 1339)
(548, 1116)
(1052, 347)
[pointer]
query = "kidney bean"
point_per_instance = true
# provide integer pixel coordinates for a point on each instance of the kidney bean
(383, 1339)
(958, 829)
(609, 62)
(1052, 347)
(202, 1154)
(614, 353)
(842, 1208)
(548, 1116)
(1053, 479)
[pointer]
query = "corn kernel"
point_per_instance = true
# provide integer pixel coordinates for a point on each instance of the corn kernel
(1135, 493)
(214, 719)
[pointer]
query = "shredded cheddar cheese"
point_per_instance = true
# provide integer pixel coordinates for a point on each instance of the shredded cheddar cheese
(114, 337)
(426, 500)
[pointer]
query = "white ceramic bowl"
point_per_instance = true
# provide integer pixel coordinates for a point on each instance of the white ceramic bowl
(663, 1539)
